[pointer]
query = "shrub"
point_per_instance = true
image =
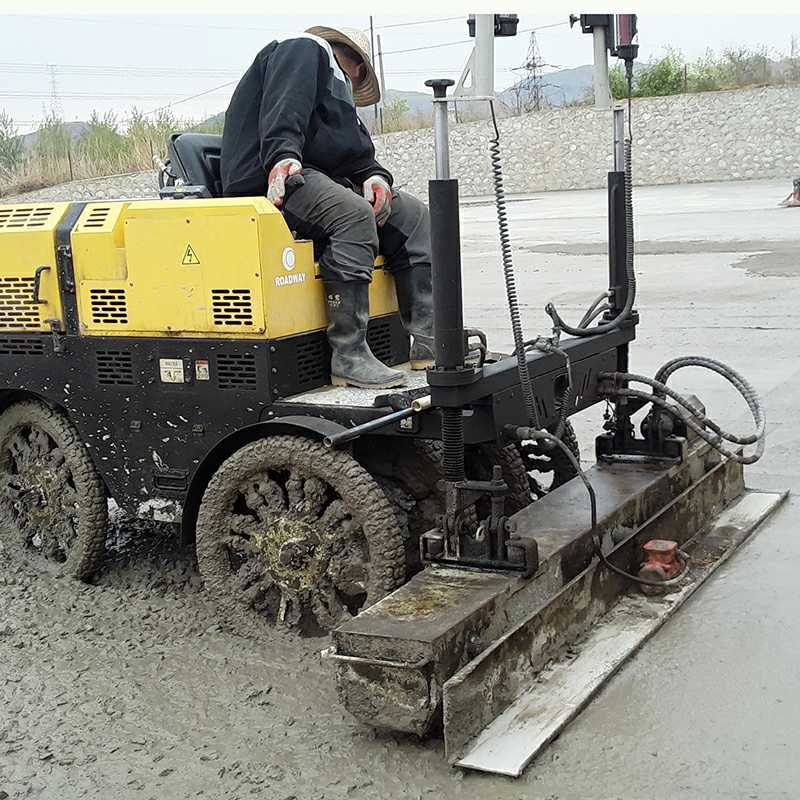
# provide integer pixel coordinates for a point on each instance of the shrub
(12, 152)
(102, 145)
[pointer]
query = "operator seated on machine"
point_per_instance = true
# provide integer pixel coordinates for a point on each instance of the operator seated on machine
(294, 113)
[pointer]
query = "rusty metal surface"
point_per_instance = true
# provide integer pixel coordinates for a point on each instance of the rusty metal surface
(486, 686)
(558, 694)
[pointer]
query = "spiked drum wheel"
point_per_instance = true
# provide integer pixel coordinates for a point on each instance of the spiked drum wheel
(52, 501)
(296, 534)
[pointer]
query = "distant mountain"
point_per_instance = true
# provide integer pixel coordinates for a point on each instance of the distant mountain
(558, 88)
(563, 86)
(75, 130)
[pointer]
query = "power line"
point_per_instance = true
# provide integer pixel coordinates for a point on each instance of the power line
(105, 70)
(183, 100)
(426, 47)
(468, 41)
(54, 94)
(39, 18)
(418, 22)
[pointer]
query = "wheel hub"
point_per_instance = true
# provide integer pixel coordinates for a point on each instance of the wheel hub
(294, 554)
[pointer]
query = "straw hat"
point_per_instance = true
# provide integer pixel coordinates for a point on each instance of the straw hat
(369, 92)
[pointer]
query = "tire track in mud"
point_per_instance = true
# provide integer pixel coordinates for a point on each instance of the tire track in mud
(130, 688)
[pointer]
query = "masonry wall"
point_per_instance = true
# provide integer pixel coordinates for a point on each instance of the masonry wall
(713, 136)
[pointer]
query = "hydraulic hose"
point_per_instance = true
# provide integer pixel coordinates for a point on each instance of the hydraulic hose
(510, 278)
(582, 328)
(693, 416)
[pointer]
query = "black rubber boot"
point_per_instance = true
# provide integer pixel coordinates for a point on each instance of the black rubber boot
(352, 362)
(415, 299)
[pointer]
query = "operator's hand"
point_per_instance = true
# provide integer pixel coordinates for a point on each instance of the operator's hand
(378, 194)
(278, 175)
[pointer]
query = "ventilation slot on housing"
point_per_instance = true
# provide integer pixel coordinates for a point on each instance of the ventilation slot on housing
(97, 217)
(114, 367)
(237, 371)
(311, 361)
(25, 216)
(33, 346)
(17, 309)
(109, 306)
(232, 307)
(379, 339)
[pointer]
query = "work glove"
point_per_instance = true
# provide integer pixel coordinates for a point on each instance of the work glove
(278, 175)
(378, 194)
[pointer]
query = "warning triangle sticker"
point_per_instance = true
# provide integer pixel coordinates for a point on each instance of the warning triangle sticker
(190, 257)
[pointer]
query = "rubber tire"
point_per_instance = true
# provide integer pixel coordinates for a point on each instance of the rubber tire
(356, 487)
(413, 470)
(509, 459)
(563, 469)
(86, 554)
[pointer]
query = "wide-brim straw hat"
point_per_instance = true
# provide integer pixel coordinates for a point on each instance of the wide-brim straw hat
(368, 93)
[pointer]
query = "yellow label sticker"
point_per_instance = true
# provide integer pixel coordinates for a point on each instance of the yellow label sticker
(190, 257)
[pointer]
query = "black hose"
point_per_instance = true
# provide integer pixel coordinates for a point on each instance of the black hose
(582, 328)
(630, 273)
(527, 433)
(510, 279)
(694, 417)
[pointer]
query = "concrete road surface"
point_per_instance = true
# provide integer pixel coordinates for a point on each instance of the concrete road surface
(128, 689)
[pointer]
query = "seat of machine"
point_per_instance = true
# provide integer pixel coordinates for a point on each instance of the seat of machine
(196, 158)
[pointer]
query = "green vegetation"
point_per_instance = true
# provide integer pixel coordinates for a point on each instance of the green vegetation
(106, 146)
(11, 150)
(734, 69)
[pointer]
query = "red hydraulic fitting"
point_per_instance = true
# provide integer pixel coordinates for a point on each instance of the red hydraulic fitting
(660, 563)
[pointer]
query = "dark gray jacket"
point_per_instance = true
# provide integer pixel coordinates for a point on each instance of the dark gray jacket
(294, 100)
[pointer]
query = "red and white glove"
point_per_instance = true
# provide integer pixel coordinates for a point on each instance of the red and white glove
(278, 175)
(378, 194)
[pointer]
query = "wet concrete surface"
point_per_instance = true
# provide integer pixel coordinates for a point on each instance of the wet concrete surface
(130, 689)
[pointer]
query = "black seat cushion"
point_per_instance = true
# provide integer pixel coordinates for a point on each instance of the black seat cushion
(195, 157)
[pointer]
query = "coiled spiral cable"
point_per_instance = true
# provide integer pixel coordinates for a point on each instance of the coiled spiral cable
(510, 278)
(693, 416)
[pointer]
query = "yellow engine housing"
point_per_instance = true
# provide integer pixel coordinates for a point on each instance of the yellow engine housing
(216, 268)
(27, 242)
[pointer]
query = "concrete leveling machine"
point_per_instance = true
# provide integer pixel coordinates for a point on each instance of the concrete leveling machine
(171, 355)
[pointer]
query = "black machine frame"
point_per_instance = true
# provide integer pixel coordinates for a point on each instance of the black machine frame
(153, 440)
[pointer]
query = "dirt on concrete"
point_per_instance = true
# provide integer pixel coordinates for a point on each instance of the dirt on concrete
(129, 689)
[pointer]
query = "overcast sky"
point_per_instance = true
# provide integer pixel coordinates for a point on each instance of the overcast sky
(116, 62)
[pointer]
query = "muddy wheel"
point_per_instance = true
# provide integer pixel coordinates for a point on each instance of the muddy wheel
(409, 472)
(52, 500)
(290, 532)
(548, 469)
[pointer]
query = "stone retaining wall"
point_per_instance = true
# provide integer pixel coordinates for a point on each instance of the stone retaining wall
(713, 136)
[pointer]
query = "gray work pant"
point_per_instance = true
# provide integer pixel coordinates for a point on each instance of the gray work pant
(347, 240)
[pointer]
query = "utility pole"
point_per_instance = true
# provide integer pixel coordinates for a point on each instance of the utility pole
(372, 59)
(383, 82)
(602, 87)
(483, 74)
(601, 28)
(480, 64)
